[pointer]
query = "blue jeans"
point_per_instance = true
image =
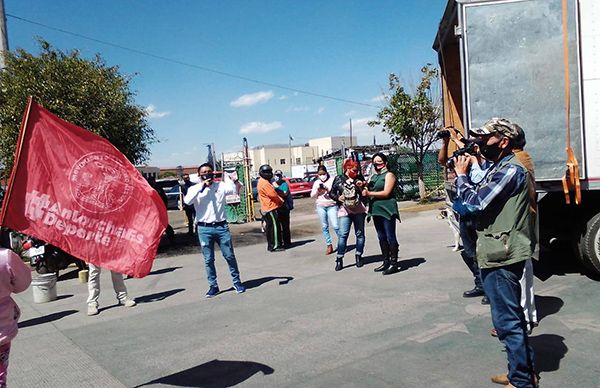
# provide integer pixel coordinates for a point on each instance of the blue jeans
(359, 230)
(386, 229)
(502, 287)
(328, 215)
(208, 235)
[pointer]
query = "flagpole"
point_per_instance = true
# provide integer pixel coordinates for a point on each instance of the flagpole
(18, 149)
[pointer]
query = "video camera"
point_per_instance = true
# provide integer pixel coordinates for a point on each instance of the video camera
(469, 148)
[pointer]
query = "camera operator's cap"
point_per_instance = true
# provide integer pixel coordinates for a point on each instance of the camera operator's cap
(496, 125)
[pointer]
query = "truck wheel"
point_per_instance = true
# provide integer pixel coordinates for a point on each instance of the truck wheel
(588, 244)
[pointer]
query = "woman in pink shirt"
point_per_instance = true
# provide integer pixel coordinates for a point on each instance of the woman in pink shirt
(327, 208)
(15, 277)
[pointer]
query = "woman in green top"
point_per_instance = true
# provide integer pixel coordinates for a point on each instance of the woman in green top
(384, 210)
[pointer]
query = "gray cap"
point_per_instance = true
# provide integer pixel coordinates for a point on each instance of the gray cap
(497, 125)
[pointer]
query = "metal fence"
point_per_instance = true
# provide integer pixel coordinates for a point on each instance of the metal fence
(404, 167)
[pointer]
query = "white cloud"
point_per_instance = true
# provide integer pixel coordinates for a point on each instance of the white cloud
(283, 97)
(320, 110)
(251, 99)
(154, 114)
(349, 114)
(380, 98)
(292, 108)
(260, 127)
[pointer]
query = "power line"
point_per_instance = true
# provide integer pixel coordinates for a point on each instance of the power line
(199, 67)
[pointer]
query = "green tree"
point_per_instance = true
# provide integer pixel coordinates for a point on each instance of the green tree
(85, 92)
(413, 119)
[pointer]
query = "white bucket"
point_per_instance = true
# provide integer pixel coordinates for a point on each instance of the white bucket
(44, 288)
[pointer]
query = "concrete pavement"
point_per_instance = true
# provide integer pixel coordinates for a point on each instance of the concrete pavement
(300, 324)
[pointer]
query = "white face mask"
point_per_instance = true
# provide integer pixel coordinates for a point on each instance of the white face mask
(323, 178)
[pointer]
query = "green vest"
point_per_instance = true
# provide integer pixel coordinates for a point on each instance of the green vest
(506, 231)
(387, 208)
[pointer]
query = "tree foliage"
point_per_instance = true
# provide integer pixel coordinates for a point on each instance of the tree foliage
(85, 92)
(413, 119)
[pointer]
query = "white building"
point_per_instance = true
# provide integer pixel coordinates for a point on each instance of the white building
(326, 145)
(283, 157)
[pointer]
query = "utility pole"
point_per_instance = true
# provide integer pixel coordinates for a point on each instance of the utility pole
(214, 156)
(3, 35)
(290, 148)
(350, 133)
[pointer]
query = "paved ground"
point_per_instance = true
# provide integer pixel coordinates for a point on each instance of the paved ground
(300, 324)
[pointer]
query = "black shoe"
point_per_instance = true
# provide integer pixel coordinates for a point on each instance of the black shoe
(385, 254)
(393, 260)
(339, 263)
(485, 300)
(474, 293)
(277, 249)
(359, 262)
(393, 269)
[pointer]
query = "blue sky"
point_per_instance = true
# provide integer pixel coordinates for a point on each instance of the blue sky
(342, 49)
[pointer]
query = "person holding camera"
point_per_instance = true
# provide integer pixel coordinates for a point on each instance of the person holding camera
(506, 239)
(466, 218)
(347, 192)
(384, 210)
(327, 208)
(209, 199)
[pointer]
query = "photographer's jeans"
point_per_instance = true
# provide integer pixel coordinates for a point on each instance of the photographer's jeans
(208, 236)
(468, 236)
(503, 288)
(359, 230)
(328, 216)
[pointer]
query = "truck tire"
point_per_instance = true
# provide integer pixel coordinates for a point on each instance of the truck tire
(588, 244)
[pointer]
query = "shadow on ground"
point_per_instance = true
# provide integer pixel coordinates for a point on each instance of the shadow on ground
(164, 270)
(158, 296)
(407, 264)
(260, 281)
(547, 305)
(549, 349)
(46, 318)
(214, 374)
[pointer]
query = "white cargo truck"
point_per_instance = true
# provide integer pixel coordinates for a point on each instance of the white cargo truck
(507, 58)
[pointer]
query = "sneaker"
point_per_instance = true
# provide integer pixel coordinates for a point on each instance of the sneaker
(92, 310)
(212, 291)
(127, 302)
(239, 288)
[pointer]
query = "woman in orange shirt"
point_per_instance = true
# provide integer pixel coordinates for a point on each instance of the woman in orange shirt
(270, 201)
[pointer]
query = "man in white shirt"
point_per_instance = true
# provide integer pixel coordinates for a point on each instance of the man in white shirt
(208, 198)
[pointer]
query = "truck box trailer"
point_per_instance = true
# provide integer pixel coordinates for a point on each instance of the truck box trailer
(508, 58)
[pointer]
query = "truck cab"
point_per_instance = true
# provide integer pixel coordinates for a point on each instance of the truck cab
(515, 59)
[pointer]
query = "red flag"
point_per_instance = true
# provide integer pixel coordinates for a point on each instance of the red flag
(75, 190)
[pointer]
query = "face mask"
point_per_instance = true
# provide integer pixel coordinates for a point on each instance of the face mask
(378, 166)
(278, 177)
(491, 152)
(352, 174)
(207, 177)
(323, 178)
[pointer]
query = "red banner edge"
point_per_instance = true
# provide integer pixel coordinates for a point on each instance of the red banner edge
(13, 173)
